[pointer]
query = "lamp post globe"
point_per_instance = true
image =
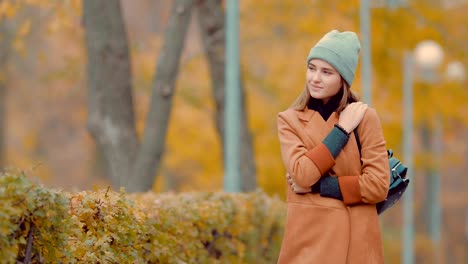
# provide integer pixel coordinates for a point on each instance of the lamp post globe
(455, 71)
(428, 55)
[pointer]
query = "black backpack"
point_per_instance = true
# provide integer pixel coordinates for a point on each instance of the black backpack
(398, 180)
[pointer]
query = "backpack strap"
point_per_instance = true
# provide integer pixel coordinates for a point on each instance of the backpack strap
(358, 142)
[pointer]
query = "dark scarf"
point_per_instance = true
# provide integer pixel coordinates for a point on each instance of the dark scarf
(327, 109)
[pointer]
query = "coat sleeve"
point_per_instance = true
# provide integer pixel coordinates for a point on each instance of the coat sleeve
(372, 185)
(305, 166)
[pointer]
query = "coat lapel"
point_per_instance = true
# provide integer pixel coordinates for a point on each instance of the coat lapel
(305, 114)
(315, 128)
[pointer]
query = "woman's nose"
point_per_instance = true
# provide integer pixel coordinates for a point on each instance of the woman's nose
(316, 77)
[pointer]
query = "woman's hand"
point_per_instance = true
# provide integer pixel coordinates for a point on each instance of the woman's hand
(352, 116)
(295, 187)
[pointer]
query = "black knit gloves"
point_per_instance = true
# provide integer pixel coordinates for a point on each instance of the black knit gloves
(329, 187)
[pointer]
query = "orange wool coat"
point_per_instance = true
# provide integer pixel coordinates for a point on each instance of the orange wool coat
(325, 230)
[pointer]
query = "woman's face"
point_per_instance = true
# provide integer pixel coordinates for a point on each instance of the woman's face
(323, 81)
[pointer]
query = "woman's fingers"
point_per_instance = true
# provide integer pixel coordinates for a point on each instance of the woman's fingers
(352, 115)
(296, 188)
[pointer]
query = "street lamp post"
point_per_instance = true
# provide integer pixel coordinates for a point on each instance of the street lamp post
(366, 66)
(429, 55)
(408, 154)
(232, 111)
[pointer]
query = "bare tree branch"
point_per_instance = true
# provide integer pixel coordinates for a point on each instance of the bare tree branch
(154, 136)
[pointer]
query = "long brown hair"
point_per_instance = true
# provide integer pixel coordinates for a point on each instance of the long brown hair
(348, 97)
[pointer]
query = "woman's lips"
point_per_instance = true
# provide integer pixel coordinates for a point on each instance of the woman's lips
(317, 88)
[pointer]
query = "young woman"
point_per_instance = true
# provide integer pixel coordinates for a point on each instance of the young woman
(332, 191)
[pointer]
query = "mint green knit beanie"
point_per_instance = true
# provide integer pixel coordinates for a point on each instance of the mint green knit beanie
(341, 50)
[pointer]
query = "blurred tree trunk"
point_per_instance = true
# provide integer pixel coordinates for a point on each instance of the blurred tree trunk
(211, 19)
(5, 40)
(111, 115)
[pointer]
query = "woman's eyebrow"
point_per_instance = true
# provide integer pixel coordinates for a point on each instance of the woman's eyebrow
(324, 68)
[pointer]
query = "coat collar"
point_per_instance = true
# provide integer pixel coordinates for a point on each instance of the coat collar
(307, 114)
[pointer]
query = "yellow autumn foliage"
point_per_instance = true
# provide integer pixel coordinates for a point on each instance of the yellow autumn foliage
(104, 226)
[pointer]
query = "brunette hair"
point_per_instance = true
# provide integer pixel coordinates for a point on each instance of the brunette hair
(348, 97)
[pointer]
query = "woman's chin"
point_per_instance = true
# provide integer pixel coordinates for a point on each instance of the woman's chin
(316, 95)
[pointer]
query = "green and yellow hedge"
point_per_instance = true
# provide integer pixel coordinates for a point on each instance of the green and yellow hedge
(47, 226)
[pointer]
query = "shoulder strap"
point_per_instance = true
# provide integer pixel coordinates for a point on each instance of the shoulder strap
(358, 142)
